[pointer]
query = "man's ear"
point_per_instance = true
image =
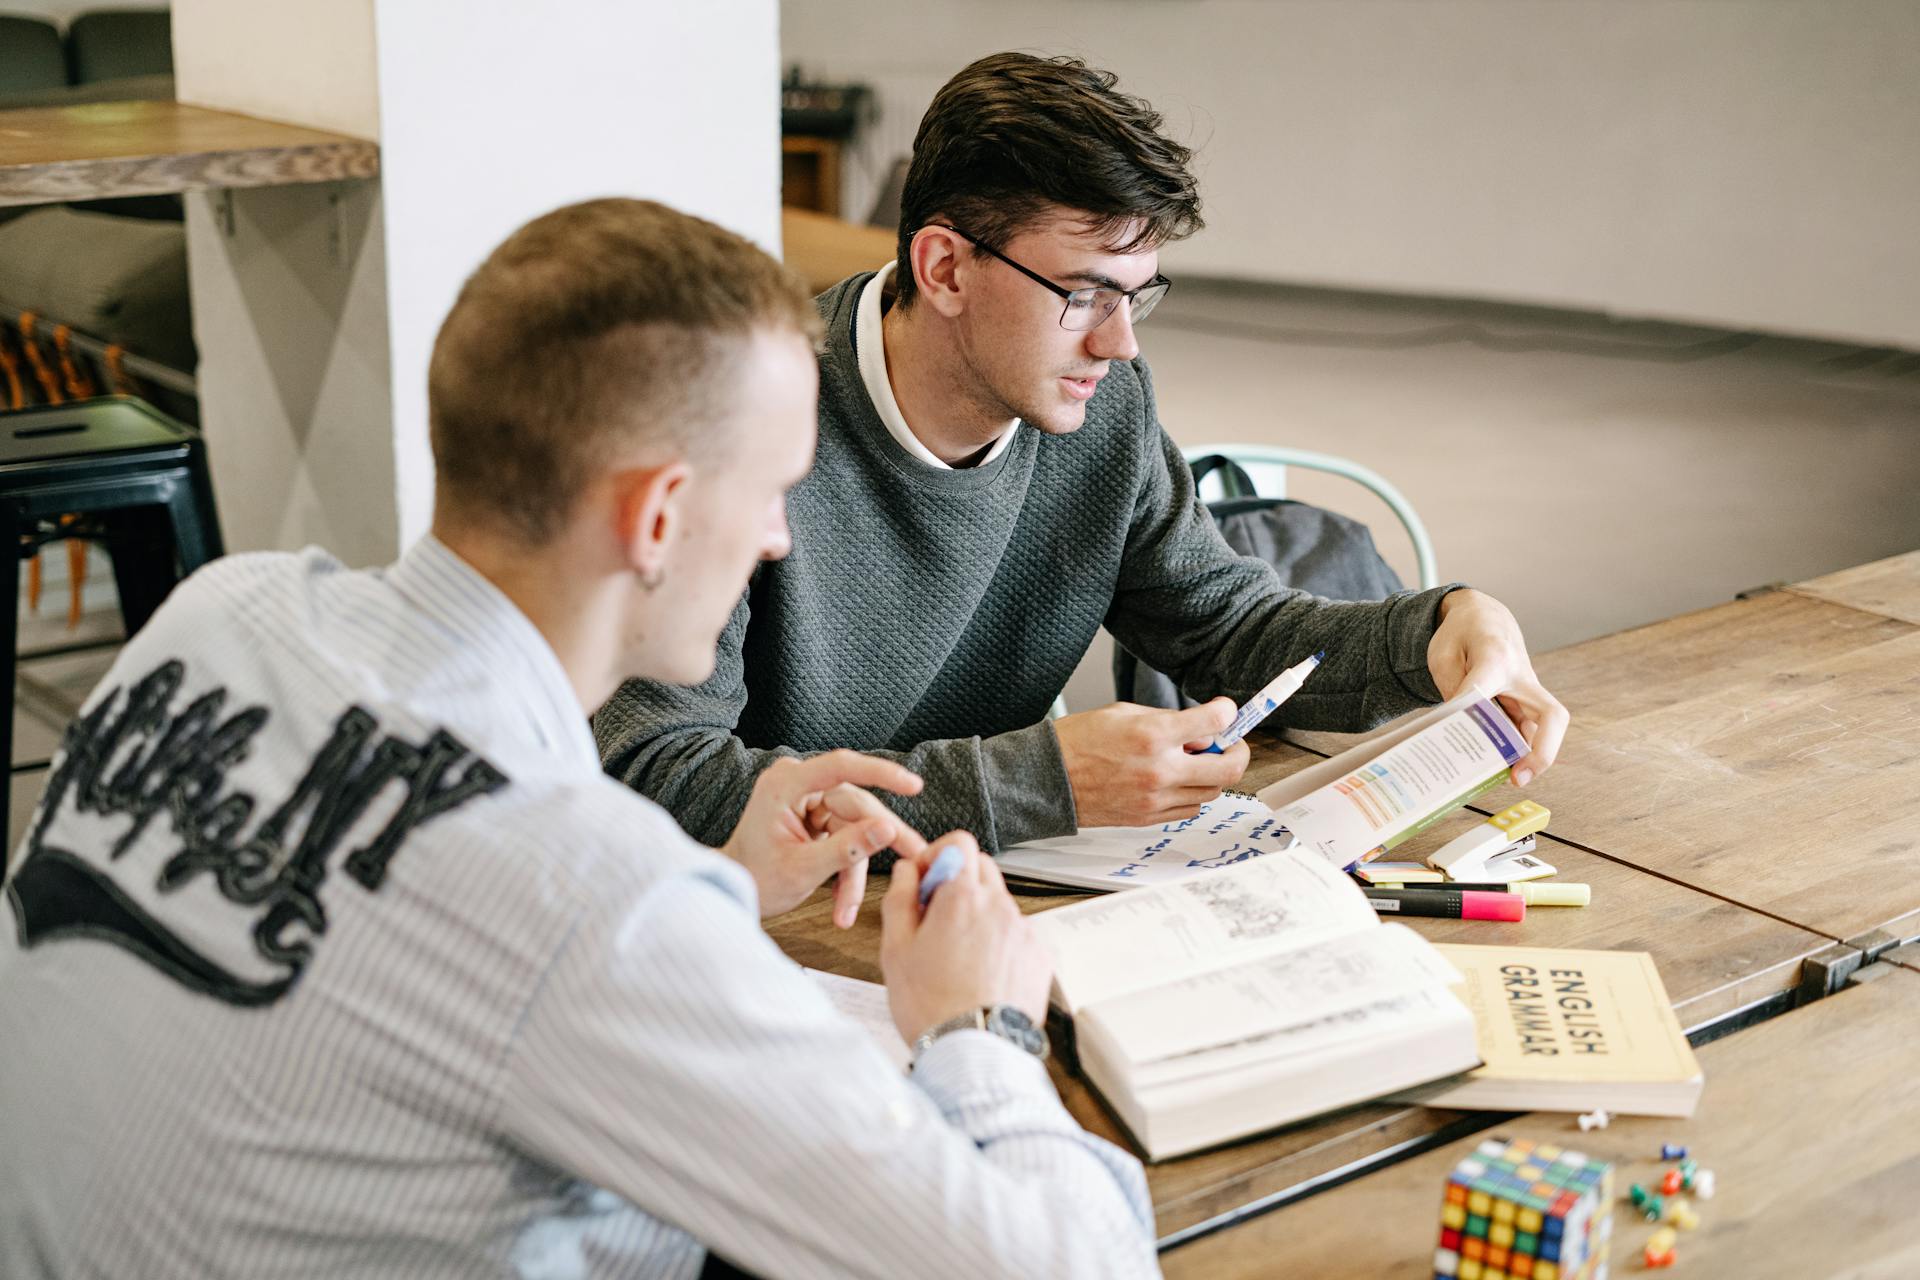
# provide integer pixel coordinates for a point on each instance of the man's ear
(937, 256)
(650, 506)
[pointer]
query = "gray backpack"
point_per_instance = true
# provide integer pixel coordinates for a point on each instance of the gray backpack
(1311, 548)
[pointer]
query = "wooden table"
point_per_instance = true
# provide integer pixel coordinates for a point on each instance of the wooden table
(825, 250)
(96, 150)
(1810, 1122)
(1764, 751)
(1715, 958)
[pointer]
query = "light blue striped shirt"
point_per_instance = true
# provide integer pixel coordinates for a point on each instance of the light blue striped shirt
(332, 952)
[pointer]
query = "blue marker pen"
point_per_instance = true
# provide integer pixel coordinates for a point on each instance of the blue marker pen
(945, 867)
(1264, 703)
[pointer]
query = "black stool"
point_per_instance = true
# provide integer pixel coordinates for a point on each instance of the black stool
(137, 479)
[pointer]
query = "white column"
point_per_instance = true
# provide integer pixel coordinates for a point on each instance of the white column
(315, 308)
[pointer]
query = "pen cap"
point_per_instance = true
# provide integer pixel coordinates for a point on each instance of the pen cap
(1556, 895)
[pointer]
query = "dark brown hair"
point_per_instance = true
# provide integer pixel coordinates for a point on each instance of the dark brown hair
(592, 330)
(1013, 136)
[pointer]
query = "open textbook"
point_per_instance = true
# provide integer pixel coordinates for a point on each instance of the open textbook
(1389, 786)
(1211, 1008)
(866, 1004)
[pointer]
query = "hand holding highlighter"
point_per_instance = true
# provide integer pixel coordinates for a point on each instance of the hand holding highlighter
(1263, 704)
(946, 865)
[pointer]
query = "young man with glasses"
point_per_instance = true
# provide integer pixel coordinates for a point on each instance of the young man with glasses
(993, 485)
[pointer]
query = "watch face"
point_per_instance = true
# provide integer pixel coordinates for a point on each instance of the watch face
(1011, 1024)
(1005, 1017)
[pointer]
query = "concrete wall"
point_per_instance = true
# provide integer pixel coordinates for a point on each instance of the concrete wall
(516, 109)
(290, 288)
(1734, 162)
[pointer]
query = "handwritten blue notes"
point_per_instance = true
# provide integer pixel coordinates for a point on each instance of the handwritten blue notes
(1226, 832)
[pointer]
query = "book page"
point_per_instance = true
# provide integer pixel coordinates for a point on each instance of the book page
(1303, 1040)
(1233, 1006)
(1131, 941)
(1378, 795)
(866, 1004)
(1225, 833)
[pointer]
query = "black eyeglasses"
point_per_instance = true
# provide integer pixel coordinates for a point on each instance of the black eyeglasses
(1086, 309)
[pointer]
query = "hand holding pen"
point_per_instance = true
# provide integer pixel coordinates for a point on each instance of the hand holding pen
(962, 944)
(1264, 703)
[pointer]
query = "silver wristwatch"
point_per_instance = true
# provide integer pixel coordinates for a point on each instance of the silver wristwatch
(1002, 1020)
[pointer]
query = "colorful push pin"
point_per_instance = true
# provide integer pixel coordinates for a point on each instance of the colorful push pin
(1670, 1185)
(1638, 1194)
(1659, 1251)
(1687, 1169)
(1593, 1120)
(1670, 1152)
(1703, 1184)
(1682, 1216)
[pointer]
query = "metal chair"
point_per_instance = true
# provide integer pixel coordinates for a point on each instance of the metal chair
(138, 481)
(1268, 463)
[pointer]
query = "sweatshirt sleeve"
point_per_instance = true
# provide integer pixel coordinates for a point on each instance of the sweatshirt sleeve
(678, 746)
(1221, 623)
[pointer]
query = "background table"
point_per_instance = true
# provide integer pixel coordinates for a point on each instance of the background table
(1810, 1122)
(101, 149)
(824, 250)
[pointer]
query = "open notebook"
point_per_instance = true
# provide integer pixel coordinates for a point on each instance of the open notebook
(1208, 1009)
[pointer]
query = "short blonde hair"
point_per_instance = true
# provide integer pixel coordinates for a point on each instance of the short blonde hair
(593, 330)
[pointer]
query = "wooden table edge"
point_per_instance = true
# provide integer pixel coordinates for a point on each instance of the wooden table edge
(63, 180)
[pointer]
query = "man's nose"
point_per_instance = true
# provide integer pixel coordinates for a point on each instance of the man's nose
(1112, 338)
(779, 537)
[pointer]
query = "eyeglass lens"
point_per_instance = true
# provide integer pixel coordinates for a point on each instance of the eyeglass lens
(1089, 308)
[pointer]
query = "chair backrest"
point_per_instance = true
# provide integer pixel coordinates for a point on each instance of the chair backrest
(1267, 464)
(886, 201)
(31, 58)
(120, 44)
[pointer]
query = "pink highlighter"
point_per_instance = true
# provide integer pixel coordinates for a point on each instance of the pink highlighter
(1447, 904)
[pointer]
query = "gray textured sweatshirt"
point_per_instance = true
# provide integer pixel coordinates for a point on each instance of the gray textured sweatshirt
(932, 616)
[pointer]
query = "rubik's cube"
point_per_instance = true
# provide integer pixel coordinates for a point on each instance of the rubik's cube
(1525, 1211)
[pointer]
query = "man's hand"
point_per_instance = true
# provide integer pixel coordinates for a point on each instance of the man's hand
(809, 819)
(1129, 765)
(1478, 642)
(971, 950)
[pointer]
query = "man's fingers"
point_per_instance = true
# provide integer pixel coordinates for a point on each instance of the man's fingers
(827, 771)
(908, 843)
(1179, 809)
(900, 909)
(1197, 724)
(994, 882)
(849, 803)
(1545, 722)
(848, 892)
(1206, 769)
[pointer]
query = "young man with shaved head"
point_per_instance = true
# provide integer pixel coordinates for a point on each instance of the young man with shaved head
(334, 953)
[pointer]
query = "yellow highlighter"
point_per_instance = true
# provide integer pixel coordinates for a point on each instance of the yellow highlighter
(1465, 857)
